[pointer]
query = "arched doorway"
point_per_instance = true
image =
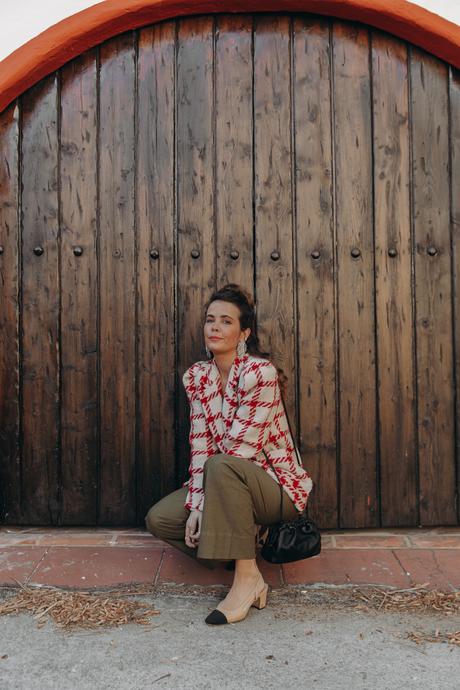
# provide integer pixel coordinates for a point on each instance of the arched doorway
(311, 159)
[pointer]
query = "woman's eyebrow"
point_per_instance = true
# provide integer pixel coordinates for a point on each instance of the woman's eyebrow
(224, 316)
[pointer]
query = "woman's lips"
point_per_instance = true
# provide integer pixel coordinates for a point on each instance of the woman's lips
(214, 338)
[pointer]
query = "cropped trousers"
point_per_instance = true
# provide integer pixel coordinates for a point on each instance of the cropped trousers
(239, 495)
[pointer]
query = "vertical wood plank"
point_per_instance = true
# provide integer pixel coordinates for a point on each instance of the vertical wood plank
(234, 149)
(78, 165)
(10, 459)
(315, 272)
(156, 276)
(195, 202)
(398, 451)
(275, 277)
(40, 304)
(454, 147)
(429, 102)
(355, 279)
(117, 281)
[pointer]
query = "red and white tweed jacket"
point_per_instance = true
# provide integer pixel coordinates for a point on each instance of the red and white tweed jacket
(248, 417)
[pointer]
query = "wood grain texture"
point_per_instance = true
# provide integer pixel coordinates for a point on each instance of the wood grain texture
(10, 457)
(195, 203)
(355, 276)
(315, 273)
(40, 306)
(117, 282)
(275, 277)
(79, 299)
(394, 323)
(292, 141)
(234, 150)
(156, 277)
(429, 102)
(454, 148)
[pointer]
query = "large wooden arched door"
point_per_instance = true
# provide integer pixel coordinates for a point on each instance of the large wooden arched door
(313, 160)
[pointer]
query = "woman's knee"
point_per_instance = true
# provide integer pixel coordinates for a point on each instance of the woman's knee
(218, 467)
(155, 521)
(166, 519)
(218, 461)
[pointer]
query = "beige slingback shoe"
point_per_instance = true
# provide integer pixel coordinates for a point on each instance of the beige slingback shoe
(256, 598)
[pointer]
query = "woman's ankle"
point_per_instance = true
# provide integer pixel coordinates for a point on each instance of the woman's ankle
(246, 569)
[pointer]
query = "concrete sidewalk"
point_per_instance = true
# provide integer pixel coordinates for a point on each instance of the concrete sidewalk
(86, 558)
(302, 639)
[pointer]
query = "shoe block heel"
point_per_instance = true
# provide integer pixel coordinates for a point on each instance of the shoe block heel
(261, 600)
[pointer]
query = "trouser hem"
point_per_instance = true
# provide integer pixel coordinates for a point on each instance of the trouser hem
(226, 547)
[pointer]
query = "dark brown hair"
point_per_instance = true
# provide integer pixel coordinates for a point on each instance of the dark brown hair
(244, 301)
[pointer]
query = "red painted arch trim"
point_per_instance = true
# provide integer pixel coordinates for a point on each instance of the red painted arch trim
(79, 32)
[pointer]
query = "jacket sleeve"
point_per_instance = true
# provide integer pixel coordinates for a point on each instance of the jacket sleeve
(252, 423)
(198, 444)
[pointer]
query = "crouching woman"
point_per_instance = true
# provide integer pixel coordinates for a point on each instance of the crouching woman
(238, 431)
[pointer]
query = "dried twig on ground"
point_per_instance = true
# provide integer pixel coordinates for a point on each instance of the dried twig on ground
(416, 599)
(437, 636)
(71, 610)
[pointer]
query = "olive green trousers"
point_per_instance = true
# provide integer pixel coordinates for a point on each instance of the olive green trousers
(239, 495)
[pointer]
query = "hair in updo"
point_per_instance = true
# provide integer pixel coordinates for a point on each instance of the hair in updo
(244, 301)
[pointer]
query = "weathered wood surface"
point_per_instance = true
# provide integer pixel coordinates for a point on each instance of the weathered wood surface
(454, 149)
(355, 277)
(273, 198)
(10, 453)
(196, 242)
(79, 297)
(393, 283)
(156, 286)
(40, 306)
(117, 281)
(315, 247)
(433, 289)
(312, 160)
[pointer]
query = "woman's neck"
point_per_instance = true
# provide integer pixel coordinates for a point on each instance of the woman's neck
(224, 363)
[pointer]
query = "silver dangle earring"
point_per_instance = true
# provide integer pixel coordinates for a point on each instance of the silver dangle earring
(208, 352)
(241, 349)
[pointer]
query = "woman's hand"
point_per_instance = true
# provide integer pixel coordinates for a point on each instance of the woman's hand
(193, 529)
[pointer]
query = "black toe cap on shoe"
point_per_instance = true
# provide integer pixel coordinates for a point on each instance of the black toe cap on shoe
(216, 617)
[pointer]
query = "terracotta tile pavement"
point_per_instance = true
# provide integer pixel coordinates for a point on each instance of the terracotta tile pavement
(78, 566)
(337, 567)
(98, 557)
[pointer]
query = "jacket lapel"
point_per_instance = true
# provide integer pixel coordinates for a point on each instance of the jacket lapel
(219, 414)
(231, 399)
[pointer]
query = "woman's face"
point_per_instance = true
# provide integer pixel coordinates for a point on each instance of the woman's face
(222, 329)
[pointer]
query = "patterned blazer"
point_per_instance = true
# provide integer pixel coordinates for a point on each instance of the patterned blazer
(248, 417)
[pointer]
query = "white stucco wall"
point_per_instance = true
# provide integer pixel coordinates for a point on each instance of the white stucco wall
(21, 20)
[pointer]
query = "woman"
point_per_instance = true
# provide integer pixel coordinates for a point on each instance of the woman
(238, 429)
